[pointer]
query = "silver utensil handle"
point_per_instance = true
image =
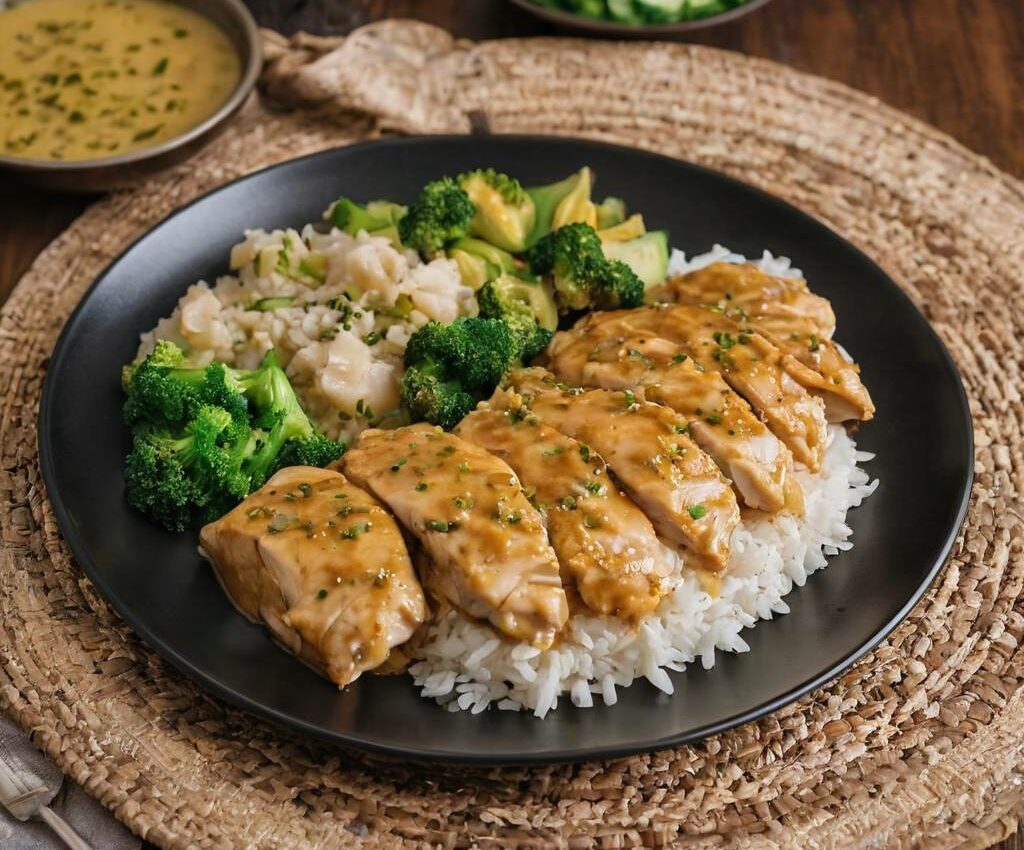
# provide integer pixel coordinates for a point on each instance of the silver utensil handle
(63, 829)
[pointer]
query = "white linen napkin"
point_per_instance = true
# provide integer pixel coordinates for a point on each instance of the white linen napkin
(88, 818)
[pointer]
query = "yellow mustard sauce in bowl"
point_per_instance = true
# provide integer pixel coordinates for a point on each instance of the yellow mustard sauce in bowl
(86, 79)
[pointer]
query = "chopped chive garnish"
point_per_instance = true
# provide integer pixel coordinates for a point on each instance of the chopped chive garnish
(437, 525)
(697, 511)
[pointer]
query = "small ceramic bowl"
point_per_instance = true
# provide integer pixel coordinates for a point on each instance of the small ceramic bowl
(96, 175)
(617, 29)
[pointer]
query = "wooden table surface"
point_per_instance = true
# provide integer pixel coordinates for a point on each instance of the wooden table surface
(958, 64)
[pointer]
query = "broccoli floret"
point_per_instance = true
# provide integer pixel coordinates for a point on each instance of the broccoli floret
(431, 398)
(164, 389)
(351, 217)
(504, 213)
(582, 276)
(204, 438)
(526, 307)
(451, 367)
(170, 477)
(441, 214)
(315, 450)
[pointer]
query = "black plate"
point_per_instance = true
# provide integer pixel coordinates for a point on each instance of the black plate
(157, 582)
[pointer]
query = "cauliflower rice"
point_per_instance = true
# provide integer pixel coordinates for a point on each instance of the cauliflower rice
(350, 304)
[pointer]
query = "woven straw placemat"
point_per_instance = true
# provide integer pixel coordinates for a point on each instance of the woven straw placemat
(919, 744)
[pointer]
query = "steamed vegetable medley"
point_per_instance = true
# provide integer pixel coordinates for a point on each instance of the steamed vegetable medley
(640, 12)
(232, 386)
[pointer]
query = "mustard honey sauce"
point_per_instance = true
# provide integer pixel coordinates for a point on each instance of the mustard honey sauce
(85, 79)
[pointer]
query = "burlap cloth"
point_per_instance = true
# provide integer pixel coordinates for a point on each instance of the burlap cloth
(919, 745)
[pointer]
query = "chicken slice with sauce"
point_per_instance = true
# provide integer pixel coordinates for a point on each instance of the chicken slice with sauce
(742, 291)
(606, 547)
(324, 566)
(796, 320)
(489, 548)
(749, 363)
(720, 422)
(647, 448)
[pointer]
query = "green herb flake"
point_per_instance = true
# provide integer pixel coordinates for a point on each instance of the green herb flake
(585, 451)
(815, 343)
(697, 511)
(463, 467)
(305, 489)
(142, 135)
(437, 525)
(592, 521)
(419, 488)
(398, 464)
(724, 339)
(160, 66)
(552, 452)
(714, 419)
(372, 338)
(354, 531)
(679, 358)
(321, 594)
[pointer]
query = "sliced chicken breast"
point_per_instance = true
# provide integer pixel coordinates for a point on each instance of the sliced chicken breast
(748, 362)
(720, 422)
(323, 565)
(745, 293)
(606, 547)
(796, 320)
(648, 449)
(488, 544)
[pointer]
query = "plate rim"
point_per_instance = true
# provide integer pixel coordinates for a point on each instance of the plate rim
(81, 556)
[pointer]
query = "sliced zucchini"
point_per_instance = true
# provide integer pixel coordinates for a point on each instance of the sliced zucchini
(646, 255)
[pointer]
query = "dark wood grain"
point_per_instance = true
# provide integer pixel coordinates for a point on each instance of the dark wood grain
(958, 64)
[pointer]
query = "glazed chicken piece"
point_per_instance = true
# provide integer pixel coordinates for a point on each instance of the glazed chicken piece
(648, 450)
(749, 363)
(605, 545)
(324, 566)
(744, 292)
(796, 320)
(490, 551)
(720, 422)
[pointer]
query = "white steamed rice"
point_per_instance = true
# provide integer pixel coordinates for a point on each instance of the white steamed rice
(371, 289)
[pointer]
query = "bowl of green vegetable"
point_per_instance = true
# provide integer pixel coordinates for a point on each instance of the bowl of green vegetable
(638, 18)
